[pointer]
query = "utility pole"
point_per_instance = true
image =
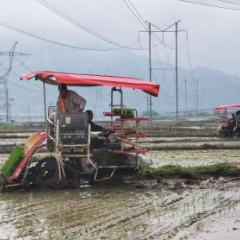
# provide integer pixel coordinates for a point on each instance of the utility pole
(197, 99)
(4, 92)
(150, 71)
(98, 107)
(176, 41)
(186, 95)
(29, 119)
(149, 31)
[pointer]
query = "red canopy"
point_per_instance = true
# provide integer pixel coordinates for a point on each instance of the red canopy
(74, 79)
(227, 106)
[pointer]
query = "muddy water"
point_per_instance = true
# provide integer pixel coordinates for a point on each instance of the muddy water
(193, 158)
(113, 213)
(184, 158)
(12, 141)
(138, 210)
(221, 229)
(199, 143)
(16, 134)
(177, 139)
(7, 230)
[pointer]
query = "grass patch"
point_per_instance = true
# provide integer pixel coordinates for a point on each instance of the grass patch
(177, 171)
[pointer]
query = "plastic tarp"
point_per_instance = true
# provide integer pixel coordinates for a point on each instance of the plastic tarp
(227, 106)
(74, 79)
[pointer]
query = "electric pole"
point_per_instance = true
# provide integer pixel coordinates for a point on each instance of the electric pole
(150, 71)
(149, 31)
(98, 99)
(4, 92)
(29, 119)
(197, 99)
(186, 95)
(176, 41)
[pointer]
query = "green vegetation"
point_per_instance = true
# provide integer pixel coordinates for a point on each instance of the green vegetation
(126, 113)
(50, 145)
(129, 149)
(177, 171)
(130, 132)
(12, 163)
(117, 110)
(105, 157)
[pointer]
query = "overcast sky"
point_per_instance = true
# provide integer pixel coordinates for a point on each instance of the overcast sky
(214, 37)
(214, 34)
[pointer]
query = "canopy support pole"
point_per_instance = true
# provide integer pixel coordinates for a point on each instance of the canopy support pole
(45, 107)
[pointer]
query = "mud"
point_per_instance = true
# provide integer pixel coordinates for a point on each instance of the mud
(184, 139)
(21, 134)
(190, 158)
(156, 209)
(114, 213)
(4, 142)
(188, 144)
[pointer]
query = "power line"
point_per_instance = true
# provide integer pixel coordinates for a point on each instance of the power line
(146, 59)
(62, 15)
(190, 60)
(143, 24)
(115, 10)
(209, 5)
(229, 2)
(24, 87)
(17, 75)
(164, 75)
(4, 91)
(64, 44)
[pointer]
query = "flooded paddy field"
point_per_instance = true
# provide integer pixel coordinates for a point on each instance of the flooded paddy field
(191, 144)
(157, 209)
(15, 135)
(190, 158)
(183, 139)
(117, 213)
(137, 209)
(12, 141)
(19, 138)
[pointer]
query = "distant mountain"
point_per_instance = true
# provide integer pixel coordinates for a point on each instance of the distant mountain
(215, 87)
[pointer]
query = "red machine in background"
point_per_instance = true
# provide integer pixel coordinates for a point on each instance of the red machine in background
(228, 126)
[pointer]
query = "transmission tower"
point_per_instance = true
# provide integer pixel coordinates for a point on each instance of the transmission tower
(4, 92)
(98, 107)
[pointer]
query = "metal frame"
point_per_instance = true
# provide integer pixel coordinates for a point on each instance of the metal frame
(59, 146)
(123, 107)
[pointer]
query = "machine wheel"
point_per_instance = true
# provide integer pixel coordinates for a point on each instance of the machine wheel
(86, 166)
(72, 176)
(46, 173)
(58, 186)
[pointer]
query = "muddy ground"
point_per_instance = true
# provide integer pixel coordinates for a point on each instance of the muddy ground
(143, 210)
(157, 209)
